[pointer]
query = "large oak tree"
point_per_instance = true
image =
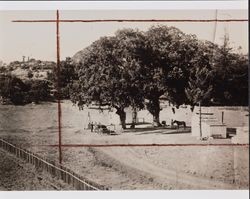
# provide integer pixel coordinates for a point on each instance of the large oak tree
(107, 74)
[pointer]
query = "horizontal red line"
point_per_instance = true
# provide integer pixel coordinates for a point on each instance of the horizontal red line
(140, 145)
(137, 20)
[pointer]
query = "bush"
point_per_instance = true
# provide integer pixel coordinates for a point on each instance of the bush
(20, 93)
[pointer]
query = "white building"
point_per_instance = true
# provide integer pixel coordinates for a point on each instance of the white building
(216, 120)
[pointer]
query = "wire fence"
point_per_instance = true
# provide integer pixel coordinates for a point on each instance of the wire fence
(56, 170)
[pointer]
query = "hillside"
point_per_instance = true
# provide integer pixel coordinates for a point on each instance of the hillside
(30, 69)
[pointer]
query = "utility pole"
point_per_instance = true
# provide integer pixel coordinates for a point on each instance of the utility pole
(200, 119)
(222, 117)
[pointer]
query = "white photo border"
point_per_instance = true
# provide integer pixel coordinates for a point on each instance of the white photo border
(125, 5)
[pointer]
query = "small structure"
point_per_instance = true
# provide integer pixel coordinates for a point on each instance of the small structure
(207, 125)
(222, 122)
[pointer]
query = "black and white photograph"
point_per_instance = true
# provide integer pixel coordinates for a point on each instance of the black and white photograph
(124, 100)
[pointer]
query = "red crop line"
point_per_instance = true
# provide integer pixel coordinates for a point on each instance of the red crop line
(141, 145)
(58, 85)
(136, 20)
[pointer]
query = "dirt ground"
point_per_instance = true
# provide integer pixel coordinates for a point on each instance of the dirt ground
(170, 167)
(147, 168)
(17, 175)
(126, 168)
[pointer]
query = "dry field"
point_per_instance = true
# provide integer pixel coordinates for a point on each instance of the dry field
(168, 167)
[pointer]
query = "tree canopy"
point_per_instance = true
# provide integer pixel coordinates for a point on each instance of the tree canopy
(135, 68)
(107, 73)
(67, 76)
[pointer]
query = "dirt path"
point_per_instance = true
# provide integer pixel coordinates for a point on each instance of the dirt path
(15, 174)
(161, 175)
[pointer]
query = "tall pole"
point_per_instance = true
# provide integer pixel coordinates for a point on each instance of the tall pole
(222, 117)
(58, 86)
(200, 119)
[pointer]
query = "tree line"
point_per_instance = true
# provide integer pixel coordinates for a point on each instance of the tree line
(135, 68)
(15, 91)
(21, 91)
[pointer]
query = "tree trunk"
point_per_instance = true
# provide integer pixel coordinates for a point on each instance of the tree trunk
(134, 118)
(122, 115)
(156, 119)
(156, 112)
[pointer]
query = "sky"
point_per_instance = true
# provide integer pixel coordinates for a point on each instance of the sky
(38, 40)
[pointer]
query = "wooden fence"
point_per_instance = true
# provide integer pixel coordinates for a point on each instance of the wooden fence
(56, 170)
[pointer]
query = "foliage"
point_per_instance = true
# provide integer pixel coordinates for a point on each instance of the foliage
(38, 90)
(67, 75)
(20, 93)
(199, 88)
(219, 78)
(30, 74)
(135, 68)
(230, 72)
(105, 74)
(172, 56)
(13, 88)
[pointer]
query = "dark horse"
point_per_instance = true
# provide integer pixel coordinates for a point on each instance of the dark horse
(179, 123)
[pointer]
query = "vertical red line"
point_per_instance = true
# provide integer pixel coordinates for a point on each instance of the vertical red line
(58, 86)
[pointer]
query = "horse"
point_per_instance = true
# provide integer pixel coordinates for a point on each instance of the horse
(179, 123)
